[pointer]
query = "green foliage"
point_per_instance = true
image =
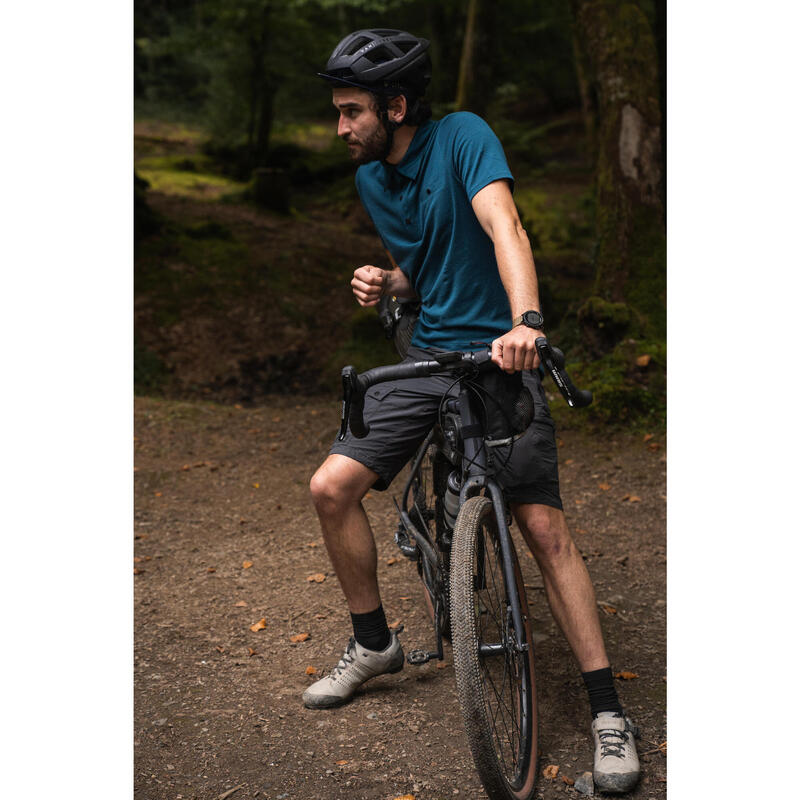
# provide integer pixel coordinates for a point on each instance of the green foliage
(189, 177)
(150, 374)
(625, 393)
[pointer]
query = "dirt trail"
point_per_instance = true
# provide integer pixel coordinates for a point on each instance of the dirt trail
(217, 706)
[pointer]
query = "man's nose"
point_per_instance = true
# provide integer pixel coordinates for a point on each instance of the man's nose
(344, 125)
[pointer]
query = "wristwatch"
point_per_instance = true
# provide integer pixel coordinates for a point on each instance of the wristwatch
(533, 319)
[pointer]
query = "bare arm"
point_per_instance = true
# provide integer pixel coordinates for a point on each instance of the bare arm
(497, 214)
(371, 283)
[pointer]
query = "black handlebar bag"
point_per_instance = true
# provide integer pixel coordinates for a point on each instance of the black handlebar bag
(507, 404)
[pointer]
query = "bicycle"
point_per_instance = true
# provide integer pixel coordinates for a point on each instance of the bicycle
(454, 522)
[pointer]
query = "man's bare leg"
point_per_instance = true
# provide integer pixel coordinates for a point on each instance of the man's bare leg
(337, 489)
(566, 581)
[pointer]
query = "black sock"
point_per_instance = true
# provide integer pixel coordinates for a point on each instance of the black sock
(371, 630)
(602, 692)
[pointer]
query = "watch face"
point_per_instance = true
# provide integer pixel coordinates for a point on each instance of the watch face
(533, 319)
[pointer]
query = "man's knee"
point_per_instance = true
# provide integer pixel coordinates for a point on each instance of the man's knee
(337, 485)
(546, 532)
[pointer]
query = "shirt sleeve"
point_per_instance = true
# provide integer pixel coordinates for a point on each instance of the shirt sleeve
(477, 153)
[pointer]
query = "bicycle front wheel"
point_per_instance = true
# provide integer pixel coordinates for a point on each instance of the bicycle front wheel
(493, 666)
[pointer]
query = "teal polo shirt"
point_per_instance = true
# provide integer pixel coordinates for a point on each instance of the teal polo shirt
(422, 211)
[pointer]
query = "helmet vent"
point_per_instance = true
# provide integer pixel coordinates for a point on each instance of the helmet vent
(357, 45)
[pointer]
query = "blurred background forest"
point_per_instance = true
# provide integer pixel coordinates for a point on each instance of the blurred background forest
(248, 226)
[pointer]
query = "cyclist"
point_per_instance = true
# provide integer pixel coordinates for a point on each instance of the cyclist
(439, 194)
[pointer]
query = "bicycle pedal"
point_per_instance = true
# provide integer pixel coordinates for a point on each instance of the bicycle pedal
(419, 657)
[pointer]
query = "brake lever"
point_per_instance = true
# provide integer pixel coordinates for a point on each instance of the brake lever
(349, 376)
(553, 360)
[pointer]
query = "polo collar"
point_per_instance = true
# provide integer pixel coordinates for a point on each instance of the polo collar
(412, 161)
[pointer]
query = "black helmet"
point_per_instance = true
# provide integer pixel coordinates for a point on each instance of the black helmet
(385, 61)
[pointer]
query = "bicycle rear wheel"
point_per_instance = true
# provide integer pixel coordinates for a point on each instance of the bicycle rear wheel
(495, 680)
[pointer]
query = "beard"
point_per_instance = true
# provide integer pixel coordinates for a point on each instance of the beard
(374, 147)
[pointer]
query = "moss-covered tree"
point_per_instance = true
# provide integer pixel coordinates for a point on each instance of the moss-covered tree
(618, 48)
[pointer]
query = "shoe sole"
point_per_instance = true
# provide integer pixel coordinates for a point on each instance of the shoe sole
(331, 701)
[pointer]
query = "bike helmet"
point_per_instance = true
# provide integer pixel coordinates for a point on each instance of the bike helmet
(385, 61)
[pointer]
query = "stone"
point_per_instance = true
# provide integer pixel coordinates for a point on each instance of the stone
(584, 783)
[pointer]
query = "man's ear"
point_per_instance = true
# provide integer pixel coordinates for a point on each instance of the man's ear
(398, 107)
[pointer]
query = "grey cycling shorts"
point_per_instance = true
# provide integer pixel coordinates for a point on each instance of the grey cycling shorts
(401, 413)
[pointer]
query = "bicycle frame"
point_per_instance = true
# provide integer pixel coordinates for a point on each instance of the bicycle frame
(476, 476)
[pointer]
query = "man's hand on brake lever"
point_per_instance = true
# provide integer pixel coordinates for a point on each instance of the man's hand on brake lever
(516, 350)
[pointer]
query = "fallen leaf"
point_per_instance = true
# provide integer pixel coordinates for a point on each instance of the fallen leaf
(236, 405)
(320, 616)
(136, 559)
(317, 577)
(242, 521)
(312, 544)
(395, 624)
(559, 442)
(405, 797)
(580, 530)
(625, 675)
(644, 360)
(632, 498)
(368, 495)
(241, 604)
(254, 430)
(342, 762)
(137, 571)
(273, 448)
(550, 771)
(391, 561)
(608, 609)
(567, 780)
(405, 598)
(211, 569)
(157, 494)
(251, 652)
(570, 461)
(310, 670)
(256, 485)
(259, 626)
(299, 637)
(648, 437)
(442, 665)
(604, 486)
(186, 467)
(247, 564)
(579, 502)
(220, 648)
(276, 419)
(654, 446)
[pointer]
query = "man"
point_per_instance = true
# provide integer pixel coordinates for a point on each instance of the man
(439, 193)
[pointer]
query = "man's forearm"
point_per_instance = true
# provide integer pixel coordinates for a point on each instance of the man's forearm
(397, 284)
(517, 270)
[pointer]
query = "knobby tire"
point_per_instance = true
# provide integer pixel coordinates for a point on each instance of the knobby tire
(492, 690)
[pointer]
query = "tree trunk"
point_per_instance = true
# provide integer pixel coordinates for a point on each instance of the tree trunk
(466, 71)
(630, 258)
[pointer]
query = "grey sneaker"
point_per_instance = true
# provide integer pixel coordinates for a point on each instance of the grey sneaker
(356, 666)
(616, 764)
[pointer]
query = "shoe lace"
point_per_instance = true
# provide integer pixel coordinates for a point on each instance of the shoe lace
(346, 660)
(612, 743)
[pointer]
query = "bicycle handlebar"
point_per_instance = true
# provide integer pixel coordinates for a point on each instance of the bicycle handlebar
(354, 386)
